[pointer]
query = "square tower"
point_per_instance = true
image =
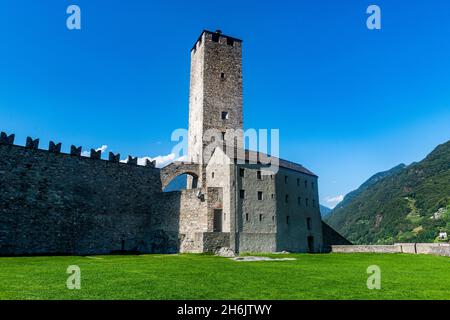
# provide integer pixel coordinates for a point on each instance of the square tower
(215, 97)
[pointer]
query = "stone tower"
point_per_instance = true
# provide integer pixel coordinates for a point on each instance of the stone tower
(215, 98)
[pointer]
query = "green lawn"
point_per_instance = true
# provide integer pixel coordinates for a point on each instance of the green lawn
(328, 276)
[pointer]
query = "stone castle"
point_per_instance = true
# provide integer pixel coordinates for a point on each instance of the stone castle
(57, 203)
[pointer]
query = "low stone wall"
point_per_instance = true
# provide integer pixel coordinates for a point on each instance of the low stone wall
(367, 249)
(442, 249)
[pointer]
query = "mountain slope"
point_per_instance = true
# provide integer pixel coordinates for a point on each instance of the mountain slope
(372, 180)
(409, 204)
(325, 211)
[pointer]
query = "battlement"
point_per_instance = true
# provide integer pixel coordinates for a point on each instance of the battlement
(218, 37)
(55, 148)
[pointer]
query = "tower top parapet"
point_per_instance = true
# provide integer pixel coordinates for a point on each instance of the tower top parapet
(216, 36)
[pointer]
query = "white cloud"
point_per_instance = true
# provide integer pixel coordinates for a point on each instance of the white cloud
(88, 153)
(161, 161)
(333, 201)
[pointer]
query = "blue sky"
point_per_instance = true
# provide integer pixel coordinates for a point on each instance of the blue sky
(348, 101)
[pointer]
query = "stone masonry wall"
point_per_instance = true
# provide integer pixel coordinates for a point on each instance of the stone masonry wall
(53, 203)
(442, 249)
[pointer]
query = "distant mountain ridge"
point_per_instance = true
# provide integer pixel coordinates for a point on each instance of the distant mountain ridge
(403, 204)
(372, 180)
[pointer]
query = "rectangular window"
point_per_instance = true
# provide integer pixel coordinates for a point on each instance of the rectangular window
(287, 219)
(308, 223)
(286, 179)
(273, 218)
(272, 195)
(314, 203)
(241, 172)
(225, 115)
(307, 201)
(222, 76)
(242, 194)
(287, 198)
(312, 185)
(215, 37)
(306, 184)
(230, 42)
(212, 175)
(299, 201)
(260, 217)
(298, 182)
(258, 175)
(246, 217)
(260, 195)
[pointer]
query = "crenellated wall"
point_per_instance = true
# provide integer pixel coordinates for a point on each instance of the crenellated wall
(57, 203)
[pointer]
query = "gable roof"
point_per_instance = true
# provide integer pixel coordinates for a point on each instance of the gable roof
(252, 155)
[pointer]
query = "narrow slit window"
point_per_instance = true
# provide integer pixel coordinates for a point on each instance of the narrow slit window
(242, 194)
(225, 115)
(260, 195)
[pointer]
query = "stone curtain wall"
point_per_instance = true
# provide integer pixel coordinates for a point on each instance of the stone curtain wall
(53, 203)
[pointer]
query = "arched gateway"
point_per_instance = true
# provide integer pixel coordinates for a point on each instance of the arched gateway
(175, 169)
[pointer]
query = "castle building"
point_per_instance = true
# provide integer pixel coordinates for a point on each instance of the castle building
(57, 203)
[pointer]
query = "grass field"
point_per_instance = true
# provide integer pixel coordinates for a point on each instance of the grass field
(332, 276)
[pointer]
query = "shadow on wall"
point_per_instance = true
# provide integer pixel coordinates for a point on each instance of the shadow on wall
(56, 203)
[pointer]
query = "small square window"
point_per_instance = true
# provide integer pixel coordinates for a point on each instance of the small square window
(230, 42)
(225, 115)
(242, 194)
(260, 195)
(215, 37)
